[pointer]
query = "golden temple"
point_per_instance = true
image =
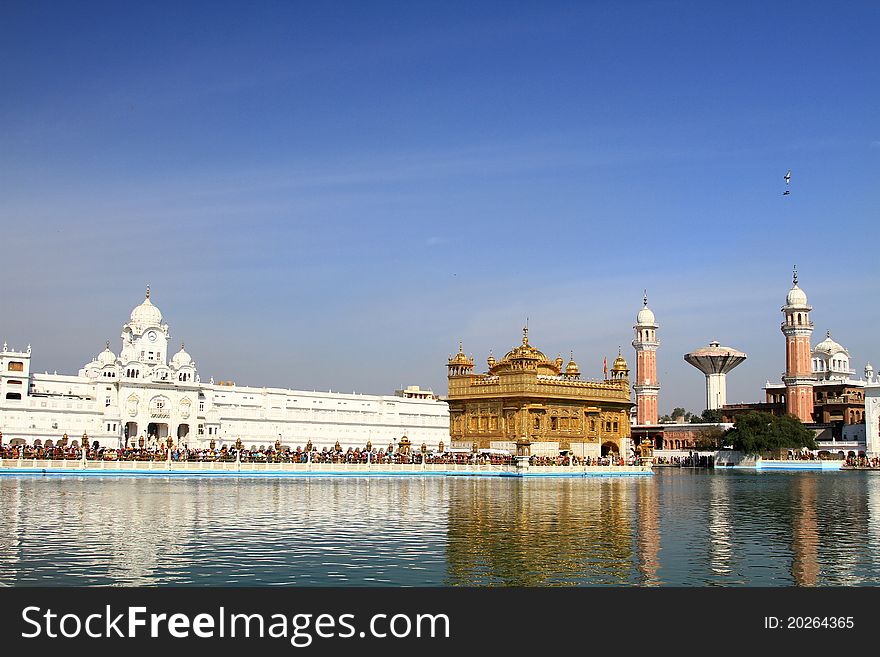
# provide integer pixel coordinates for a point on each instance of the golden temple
(526, 395)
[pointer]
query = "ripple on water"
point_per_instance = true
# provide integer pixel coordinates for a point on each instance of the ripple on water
(690, 529)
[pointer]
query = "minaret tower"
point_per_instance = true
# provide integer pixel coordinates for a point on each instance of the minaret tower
(797, 329)
(646, 386)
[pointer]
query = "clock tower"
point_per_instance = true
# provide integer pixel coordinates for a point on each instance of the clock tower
(145, 338)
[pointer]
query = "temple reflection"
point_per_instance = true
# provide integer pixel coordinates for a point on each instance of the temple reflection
(543, 532)
(676, 528)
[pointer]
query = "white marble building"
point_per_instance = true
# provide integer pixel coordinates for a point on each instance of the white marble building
(141, 392)
(872, 414)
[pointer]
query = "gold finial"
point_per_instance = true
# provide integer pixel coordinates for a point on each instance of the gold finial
(460, 347)
(794, 276)
(148, 290)
(526, 333)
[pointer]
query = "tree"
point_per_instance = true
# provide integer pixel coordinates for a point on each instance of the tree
(678, 412)
(709, 440)
(712, 415)
(760, 432)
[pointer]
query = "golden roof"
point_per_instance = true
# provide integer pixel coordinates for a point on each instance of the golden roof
(460, 358)
(525, 351)
(619, 363)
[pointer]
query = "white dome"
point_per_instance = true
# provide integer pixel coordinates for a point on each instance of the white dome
(181, 358)
(645, 316)
(146, 314)
(106, 357)
(830, 346)
(796, 297)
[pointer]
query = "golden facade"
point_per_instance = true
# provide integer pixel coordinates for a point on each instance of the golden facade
(525, 394)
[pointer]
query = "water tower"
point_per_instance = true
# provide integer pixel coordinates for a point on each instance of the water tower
(715, 362)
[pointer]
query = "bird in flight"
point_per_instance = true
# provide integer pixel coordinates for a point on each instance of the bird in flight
(787, 177)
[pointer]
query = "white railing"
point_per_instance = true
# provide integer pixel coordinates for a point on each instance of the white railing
(184, 467)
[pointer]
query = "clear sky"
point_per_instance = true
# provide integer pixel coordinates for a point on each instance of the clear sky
(331, 195)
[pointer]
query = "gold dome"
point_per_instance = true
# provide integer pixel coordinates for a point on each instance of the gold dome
(526, 351)
(460, 358)
(620, 364)
(491, 360)
(572, 367)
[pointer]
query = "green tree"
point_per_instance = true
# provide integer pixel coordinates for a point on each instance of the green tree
(760, 432)
(709, 439)
(678, 412)
(711, 415)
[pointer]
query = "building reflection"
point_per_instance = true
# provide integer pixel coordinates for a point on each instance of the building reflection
(648, 535)
(543, 532)
(805, 534)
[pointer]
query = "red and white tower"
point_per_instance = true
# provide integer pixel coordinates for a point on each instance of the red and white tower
(798, 377)
(646, 386)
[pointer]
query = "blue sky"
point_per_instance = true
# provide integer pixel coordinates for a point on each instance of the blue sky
(331, 195)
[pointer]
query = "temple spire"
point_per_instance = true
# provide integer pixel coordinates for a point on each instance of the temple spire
(148, 290)
(794, 276)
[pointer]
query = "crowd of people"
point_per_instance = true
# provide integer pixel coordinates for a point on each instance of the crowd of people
(862, 462)
(801, 456)
(690, 461)
(299, 455)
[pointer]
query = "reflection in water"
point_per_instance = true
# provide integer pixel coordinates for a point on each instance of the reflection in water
(720, 539)
(805, 534)
(540, 532)
(680, 528)
(873, 504)
(648, 538)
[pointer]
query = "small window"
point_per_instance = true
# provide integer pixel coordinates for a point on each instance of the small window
(13, 395)
(15, 366)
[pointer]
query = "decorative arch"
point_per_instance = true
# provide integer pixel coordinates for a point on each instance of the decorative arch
(160, 407)
(131, 405)
(610, 448)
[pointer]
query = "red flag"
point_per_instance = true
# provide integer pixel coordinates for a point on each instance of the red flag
(605, 366)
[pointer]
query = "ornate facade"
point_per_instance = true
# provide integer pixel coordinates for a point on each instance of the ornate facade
(145, 395)
(525, 394)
